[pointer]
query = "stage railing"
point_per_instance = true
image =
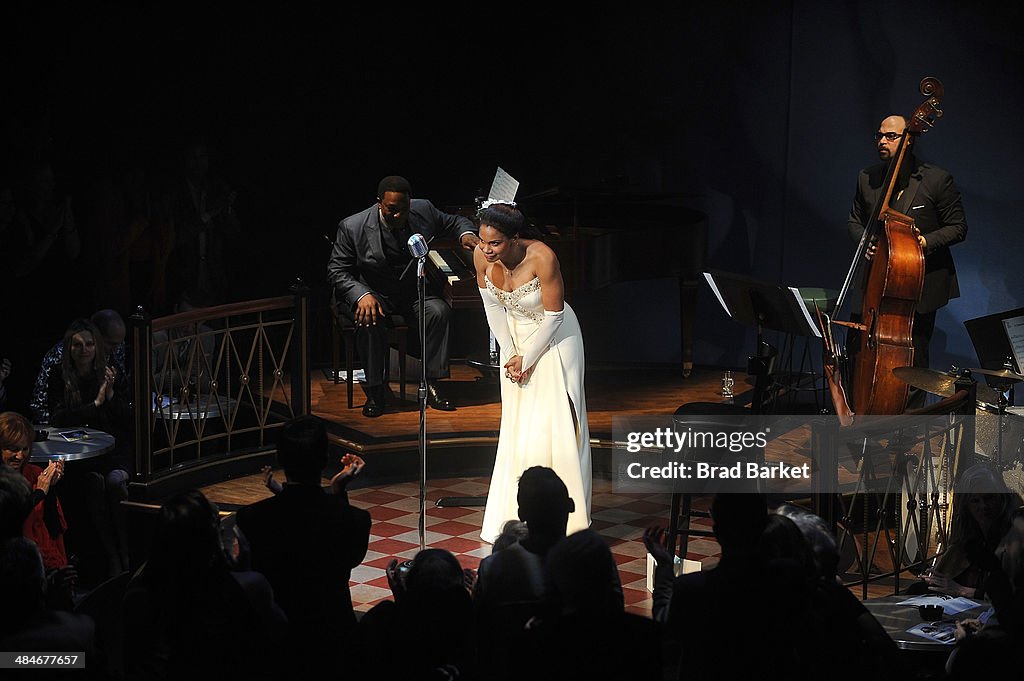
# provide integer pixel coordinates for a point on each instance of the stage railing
(902, 499)
(211, 385)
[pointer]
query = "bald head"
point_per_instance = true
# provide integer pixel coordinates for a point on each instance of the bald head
(887, 139)
(111, 326)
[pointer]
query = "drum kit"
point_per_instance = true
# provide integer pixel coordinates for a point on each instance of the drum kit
(999, 423)
(999, 430)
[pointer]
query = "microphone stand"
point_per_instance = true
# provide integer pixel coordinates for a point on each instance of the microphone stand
(422, 394)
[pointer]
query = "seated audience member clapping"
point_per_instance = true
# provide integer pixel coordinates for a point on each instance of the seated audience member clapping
(85, 391)
(187, 615)
(45, 524)
(306, 539)
(112, 331)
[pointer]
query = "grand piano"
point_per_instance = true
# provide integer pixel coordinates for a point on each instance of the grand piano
(602, 237)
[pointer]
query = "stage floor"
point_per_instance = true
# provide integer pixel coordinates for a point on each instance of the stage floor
(461, 448)
(611, 391)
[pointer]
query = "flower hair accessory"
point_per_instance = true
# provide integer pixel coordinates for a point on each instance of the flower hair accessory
(501, 202)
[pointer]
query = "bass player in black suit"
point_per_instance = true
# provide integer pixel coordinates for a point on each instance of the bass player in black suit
(927, 194)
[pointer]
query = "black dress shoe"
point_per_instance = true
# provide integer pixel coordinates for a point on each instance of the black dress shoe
(436, 400)
(375, 402)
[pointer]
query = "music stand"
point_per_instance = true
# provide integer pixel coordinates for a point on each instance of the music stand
(758, 303)
(995, 351)
(767, 306)
(988, 335)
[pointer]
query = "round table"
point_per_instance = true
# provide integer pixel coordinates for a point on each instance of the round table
(74, 447)
(201, 407)
(898, 619)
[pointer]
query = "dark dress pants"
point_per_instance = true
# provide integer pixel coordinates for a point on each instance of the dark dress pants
(373, 349)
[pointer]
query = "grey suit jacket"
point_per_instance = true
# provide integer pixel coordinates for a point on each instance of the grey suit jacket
(358, 265)
(931, 199)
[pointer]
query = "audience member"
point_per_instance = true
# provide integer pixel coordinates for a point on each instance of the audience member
(86, 391)
(585, 611)
(982, 513)
(111, 328)
(188, 616)
(27, 624)
(827, 626)
(512, 532)
(700, 608)
(45, 524)
(306, 540)
(996, 644)
(15, 503)
(509, 588)
(427, 632)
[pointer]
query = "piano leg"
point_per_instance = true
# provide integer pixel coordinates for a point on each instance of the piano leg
(687, 313)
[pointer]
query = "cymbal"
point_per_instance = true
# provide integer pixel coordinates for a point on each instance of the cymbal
(940, 383)
(1004, 374)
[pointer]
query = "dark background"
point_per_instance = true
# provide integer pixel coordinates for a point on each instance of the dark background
(764, 114)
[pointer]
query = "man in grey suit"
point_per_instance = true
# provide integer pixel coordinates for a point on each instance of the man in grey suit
(927, 194)
(373, 279)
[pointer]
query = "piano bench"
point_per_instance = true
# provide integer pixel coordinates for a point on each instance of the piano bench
(343, 328)
(722, 416)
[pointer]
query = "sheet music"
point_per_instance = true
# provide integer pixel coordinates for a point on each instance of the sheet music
(718, 294)
(802, 306)
(1015, 332)
(504, 187)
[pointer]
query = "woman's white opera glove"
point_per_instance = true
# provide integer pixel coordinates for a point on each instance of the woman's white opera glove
(498, 322)
(541, 340)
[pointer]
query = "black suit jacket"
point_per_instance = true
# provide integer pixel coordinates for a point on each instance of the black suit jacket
(306, 542)
(358, 265)
(931, 199)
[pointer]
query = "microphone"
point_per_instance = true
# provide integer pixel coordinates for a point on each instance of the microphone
(417, 245)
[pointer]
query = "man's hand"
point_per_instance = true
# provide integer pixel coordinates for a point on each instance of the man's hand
(654, 540)
(967, 628)
(395, 579)
(469, 241)
(368, 311)
(268, 480)
(943, 584)
(872, 249)
(920, 238)
(351, 466)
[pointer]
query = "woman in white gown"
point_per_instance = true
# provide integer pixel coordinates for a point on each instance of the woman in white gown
(543, 409)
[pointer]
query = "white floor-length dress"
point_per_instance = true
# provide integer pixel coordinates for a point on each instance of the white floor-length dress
(537, 425)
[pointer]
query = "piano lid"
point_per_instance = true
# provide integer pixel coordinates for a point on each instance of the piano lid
(604, 235)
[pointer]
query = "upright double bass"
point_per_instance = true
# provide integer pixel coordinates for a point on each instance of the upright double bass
(892, 288)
